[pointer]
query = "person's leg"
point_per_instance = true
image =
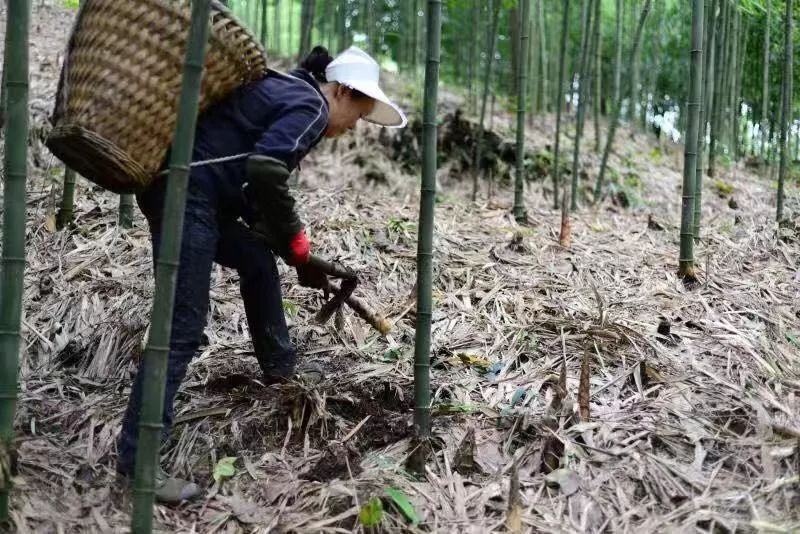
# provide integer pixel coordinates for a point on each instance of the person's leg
(198, 247)
(263, 303)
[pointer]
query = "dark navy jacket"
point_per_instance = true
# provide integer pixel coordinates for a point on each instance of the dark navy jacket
(281, 115)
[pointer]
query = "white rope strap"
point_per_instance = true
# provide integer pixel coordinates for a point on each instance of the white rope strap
(204, 162)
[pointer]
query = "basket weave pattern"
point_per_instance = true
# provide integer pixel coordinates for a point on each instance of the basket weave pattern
(117, 101)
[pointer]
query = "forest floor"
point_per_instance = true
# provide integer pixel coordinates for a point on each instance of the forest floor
(694, 430)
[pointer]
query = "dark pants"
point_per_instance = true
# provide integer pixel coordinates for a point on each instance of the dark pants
(209, 235)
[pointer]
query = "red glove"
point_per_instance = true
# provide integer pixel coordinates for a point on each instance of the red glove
(299, 249)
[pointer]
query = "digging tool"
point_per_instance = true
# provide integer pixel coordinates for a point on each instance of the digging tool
(340, 294)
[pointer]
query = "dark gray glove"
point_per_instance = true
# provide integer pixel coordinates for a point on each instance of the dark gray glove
(268, 192)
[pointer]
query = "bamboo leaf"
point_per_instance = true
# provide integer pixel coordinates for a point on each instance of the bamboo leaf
(224, 469)
(403, 504)
(371, 514)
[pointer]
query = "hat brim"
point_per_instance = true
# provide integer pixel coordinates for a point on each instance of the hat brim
(385, 113)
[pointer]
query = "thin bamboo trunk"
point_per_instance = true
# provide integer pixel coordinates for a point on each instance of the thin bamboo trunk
(709, 73)
(422, 339)
(263, 35)
(154, 363)
(716, 111)
(707, 84)
(765, 83)
(471, 65)
(598, 74)
(125, 211)
(635, 92)
(522, 85)
(582, 82)
(342, 16)
(306, 27)
(12, 265)
(487, 75)
(598, 189)
(559, 101)
(737, 99)
(618, 54)
(277, 26)
(543, 79)
(66, 213)
(786, 108)
(686, 257)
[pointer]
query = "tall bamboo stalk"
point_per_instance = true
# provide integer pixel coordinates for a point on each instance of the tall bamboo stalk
(598, 188)
(786, 108)
(582, 82)
(522, 86)
(719, 76)
(765, 83)
(618, 53)
(597, 71)
(66, 212)
(263, 36)
(686, 257)
(276, 25)
(422, 339)
(487, 75)
(707, 84)
(559, 101)
(737, 96)
(543, 70)
(154, 363)
(12, 264)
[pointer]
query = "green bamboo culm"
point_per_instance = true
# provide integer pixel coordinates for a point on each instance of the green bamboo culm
(264, 23)
(157, 350)
(708, 94)
(522, 85)
(786, 108)
(487, 75)
(686, 258)
(12, 267)
(583, 75)
(66, 213)
(422, 339)
(125, 211)
(637, 41)
(560, 102)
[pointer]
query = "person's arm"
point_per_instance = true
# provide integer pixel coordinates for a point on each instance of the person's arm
(279, 150)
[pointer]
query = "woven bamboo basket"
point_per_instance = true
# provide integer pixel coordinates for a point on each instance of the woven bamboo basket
(117, 98)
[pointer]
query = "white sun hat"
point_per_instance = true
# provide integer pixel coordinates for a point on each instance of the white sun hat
(357, 70)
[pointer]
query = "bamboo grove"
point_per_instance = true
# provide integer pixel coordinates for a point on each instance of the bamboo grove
(616, 61)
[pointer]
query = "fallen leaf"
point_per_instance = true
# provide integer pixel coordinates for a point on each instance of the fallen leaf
(403, 504)
(566, 479)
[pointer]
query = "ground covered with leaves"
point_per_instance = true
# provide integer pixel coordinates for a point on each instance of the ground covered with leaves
(574, 389)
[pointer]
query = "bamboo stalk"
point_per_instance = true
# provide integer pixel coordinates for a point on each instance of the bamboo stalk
(15, 91)
(66, 213)
(708, 84)
(559, 101)
(154, 363)
(583, 69)
(637, 39)
(478, 154)
(786, 108)
(522, 86)
(686, 258)
(765, 85)
(263, 23)
(125, 211)
(422, 340)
